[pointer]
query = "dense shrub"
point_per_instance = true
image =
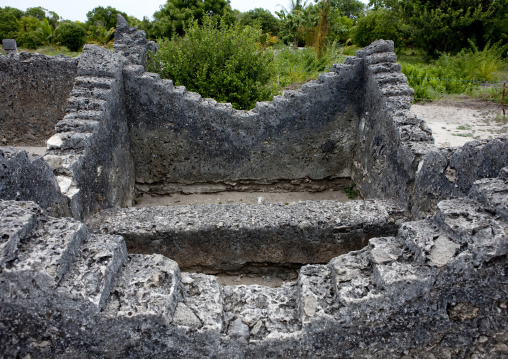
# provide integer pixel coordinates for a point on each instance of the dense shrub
(380, 24)
(448, 25)
(8, 24)
(71, 35)
(261, 18)
(222, 63)
(30, 39)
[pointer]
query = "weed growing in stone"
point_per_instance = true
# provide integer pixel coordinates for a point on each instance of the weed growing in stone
(350, 191)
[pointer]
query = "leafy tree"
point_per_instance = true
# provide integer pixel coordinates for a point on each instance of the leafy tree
(53, 18)
(376, 4)
(29, 39)
(380, 24)
(104, 36)
(8, 24)
(223, 62)
(293, 24)
(47, 32)
(16, 12)
(71, 35)
(28, 34)
(28, 23)
(106, 16)
(447, 25)
(172, 18)
(350, 8)
(261, 18)
(38, 12)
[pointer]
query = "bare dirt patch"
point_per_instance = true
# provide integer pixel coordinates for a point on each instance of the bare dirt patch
(454, 123)
(179, 199)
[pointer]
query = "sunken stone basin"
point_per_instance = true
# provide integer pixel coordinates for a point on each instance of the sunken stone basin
(218, 238)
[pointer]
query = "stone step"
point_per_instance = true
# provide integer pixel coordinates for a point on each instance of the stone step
(202, 303)
(91, 276)
(227, 237)
(68, 140)
(400, 89)
(69, 124)
(493, 193)
(92, 82)
(391, 77)
(146, 291)
(402, 282)
(315, 293)
(399, 103)
(352, 278)
(419, 238)
(381, 57)
(17, 222)
(75, 103)
(255, 312)
(385, 67)
(469, 226)
(43, 258)
(95, 93)
(85, 115)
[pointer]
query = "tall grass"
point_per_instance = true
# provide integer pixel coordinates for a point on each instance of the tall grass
(294, 67)
(462, 73)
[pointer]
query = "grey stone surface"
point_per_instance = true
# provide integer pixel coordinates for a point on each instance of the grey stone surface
(90, 152)
(25, 177)
(10, 47)
(229, 237)
(132, 43)
(179, 139)
(33, 94)
(436, 288)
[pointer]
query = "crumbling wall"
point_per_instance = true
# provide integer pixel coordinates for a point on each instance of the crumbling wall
(25, 177)
(33, 94)
(181, 142)
(450, 173)
(395, 156)
(436, 288)
(90, 152)
(132, 43)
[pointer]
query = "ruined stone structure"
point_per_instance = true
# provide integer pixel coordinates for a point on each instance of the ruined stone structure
(417, 269)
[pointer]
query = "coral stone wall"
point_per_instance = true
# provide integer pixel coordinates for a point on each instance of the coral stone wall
(33, 94)
(178, 138)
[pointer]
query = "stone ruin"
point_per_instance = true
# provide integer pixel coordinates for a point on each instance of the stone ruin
(415, 269)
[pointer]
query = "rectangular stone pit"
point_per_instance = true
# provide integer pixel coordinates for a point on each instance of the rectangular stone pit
(238, 238)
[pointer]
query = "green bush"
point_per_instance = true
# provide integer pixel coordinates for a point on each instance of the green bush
(30, 39)
(380, 24)
(71, 35)
(222, 63)
(8, 24)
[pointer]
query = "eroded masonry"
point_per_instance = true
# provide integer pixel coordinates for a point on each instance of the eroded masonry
(417, 268)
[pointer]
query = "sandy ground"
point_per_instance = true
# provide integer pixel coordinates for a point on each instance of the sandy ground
(34, 150)
(455, 123)
(288, 198)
